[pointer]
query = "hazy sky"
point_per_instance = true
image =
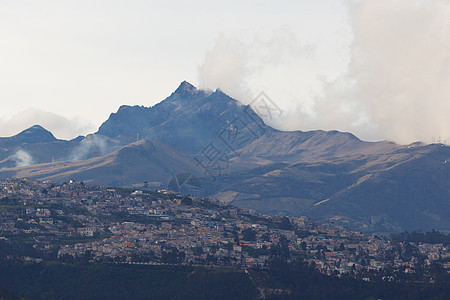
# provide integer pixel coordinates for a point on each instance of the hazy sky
(379, 68)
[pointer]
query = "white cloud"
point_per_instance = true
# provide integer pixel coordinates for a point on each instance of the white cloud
(385, 76)
(397, 84)
(287, 66)
(225, 67)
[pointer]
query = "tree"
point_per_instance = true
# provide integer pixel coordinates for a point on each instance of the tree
(303, 246)
(187, 201)
(286, 224)
(249, 234)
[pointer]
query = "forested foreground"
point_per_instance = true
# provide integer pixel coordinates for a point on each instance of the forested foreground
(20, 280)
(299, 280)
(98, 281)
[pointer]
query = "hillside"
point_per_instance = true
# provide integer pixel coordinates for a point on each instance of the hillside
(136, 163)
(36, 145)
(406, 190)
(410, 195)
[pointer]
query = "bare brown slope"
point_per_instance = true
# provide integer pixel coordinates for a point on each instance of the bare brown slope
(135, 163)
(410, 195)
(406, 190)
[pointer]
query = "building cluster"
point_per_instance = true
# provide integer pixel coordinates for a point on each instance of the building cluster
(76, 221)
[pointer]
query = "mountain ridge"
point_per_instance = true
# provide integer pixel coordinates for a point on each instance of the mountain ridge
(327, 175)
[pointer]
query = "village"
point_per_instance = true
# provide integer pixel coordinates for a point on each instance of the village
(77, 222)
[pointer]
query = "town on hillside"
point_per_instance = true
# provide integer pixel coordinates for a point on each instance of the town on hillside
(75, 222)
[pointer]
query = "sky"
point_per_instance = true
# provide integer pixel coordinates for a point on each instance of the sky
(379, 69)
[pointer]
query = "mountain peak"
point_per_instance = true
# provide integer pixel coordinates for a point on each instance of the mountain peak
(35, 134)
(186, 88)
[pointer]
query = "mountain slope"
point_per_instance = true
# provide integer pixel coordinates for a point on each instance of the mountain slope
(406, 190)
(139, 162)
(411, 195)
(297, 146)
(37, 145)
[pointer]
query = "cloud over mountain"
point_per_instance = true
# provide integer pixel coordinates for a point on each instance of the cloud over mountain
(390, 83)
(397, 82)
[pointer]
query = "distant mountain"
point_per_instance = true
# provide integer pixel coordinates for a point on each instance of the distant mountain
(327, 175)
(32, 135)
(188, 120)
(296, 146)
(33, 145)
(36, 145)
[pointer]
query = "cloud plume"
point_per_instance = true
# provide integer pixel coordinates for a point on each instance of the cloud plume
(243, 68)
(397, 84)
(391, 82)
(92, 145)
(22, 158)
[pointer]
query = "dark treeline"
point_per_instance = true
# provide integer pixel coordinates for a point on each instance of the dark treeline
(281, 280)
(7, 295)
(121, 281)
(299, 280)
(432, 237)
